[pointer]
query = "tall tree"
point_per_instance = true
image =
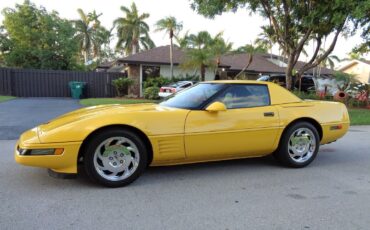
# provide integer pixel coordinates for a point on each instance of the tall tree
(91, 36)
(220, 47)
(183, 41)
(266, 39)
(249, 48)
(35, 38)
(329, 61)
(203, 51)
(295, 23)
(171, 26)
(133, 31)
(84, 34)
(362, 13)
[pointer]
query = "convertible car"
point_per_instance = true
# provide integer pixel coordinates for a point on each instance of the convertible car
(210, 121)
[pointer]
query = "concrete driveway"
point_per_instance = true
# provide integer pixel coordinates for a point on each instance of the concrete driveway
(19, 115)
(332, 193)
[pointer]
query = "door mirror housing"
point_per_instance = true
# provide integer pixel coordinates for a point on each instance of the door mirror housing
(216, 107)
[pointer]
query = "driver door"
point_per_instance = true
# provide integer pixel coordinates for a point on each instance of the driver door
(248, 127)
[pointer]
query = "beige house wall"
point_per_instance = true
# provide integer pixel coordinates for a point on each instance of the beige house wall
(361, 70)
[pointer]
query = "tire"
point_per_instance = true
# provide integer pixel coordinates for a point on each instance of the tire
(298, 145)
(115, 157)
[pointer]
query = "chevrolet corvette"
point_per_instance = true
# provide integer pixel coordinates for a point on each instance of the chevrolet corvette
(210, 121)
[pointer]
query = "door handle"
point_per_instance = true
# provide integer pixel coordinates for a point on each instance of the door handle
(268, 114)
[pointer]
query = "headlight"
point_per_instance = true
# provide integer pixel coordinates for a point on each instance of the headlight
(39, 152)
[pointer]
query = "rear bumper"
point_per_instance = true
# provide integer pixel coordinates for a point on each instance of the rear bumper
(64, 163)
(330, 133)
(163, 94)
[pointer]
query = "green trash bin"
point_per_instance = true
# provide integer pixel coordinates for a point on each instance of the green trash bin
(77, 89)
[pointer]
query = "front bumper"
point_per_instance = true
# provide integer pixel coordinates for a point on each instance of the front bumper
(64, 163)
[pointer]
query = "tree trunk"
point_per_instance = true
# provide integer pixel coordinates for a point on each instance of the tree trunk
(171, 55)
(202, 72)
(133, 51)
(288, 72)
(85, 57)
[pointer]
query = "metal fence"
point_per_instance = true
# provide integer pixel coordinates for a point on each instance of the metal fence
(54, 83)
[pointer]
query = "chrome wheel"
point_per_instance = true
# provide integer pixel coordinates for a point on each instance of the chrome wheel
(302, 145)
(116, 158)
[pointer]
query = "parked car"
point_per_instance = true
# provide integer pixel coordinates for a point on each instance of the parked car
(307, 82)
(168, 90)
(218, 120)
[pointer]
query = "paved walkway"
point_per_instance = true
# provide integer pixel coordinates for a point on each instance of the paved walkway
(19, 115)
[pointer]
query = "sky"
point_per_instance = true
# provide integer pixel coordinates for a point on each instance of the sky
(240, 28)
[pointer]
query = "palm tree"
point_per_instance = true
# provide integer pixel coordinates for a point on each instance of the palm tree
(102, 38)
(199, 41)
(220, 47)
(267, 38)
(133, 31)
(172, 27)
(94, 17)
(200, 52)
(84, 34)
(90, 35)
(183, 41)
(249, 48)
(329, 61)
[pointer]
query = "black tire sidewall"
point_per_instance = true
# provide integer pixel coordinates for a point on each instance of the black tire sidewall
(97, 140)
(283, 153)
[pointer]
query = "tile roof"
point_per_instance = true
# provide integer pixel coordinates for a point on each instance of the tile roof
(158, 55)
(235, 62)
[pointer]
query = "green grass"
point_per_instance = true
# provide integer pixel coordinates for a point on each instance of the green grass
(5, 98)
(105, 101)
(359, 116)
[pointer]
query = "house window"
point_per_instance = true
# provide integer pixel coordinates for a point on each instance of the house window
(150, 71)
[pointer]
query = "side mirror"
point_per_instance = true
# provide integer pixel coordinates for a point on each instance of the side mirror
(216, 107)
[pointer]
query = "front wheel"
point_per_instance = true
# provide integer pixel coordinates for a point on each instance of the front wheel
(115, 158)
(298, 146)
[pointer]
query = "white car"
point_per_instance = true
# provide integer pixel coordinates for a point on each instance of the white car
(168, 90)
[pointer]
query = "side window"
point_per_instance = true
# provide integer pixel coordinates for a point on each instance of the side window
(245, 96)
(307, 80)
(185, 86)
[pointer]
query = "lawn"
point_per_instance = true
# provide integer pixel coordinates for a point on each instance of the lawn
(5, 98)
(359, 116)
(104, 101)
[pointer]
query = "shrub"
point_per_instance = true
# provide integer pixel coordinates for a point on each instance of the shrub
(304, 95)
(187, 77)
(151, 93)
(156, 82)
(121, 85)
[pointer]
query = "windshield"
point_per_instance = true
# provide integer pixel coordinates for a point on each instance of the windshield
(194, 97)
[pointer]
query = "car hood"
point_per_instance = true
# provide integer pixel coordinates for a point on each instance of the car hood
(95, 111)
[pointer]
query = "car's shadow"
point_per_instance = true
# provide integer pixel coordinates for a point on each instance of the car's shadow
(199, 171)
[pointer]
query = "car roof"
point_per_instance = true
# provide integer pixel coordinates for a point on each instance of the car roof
(238, 82)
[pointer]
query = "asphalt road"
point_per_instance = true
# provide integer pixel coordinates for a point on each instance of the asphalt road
(19, 115)
(332, 193)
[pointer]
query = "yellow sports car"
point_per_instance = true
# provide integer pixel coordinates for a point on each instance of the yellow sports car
(210, 121)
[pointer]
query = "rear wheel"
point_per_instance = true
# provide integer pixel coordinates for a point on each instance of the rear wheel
(115, 158)
(299, 145)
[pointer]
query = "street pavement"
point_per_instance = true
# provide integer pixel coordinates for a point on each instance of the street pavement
(19, 115)
(332, 193)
